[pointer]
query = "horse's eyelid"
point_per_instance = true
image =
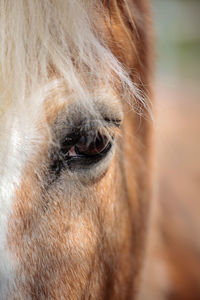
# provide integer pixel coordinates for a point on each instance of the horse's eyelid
(114, 122)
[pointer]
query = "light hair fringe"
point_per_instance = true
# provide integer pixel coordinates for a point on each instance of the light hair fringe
(39, 39)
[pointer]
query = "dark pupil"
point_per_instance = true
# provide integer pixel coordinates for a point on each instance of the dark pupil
(91, 144)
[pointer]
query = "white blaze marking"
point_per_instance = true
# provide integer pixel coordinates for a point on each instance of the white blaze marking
(12, 159)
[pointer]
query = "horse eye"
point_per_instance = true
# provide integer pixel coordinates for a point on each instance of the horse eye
(80, 150)
(90, 145)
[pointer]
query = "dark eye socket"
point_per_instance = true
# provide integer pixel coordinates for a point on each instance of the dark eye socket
(80, 150)
(83, 147)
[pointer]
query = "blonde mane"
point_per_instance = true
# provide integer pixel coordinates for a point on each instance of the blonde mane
(39, 39)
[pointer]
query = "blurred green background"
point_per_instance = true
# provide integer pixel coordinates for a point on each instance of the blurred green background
(177, 24)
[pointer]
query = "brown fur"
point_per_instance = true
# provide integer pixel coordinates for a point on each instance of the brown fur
(78, 246)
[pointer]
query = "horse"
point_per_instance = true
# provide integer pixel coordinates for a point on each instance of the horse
(76, 154)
